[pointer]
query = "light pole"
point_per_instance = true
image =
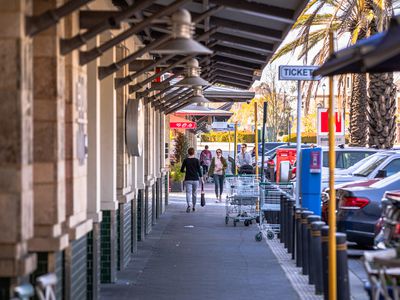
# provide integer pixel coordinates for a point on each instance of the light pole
(323, 94)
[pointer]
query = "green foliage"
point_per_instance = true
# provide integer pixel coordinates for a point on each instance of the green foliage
(181, 147)
(176, 174)
(306, 137)
(223, 137)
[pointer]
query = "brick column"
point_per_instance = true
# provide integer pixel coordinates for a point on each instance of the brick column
(93, 178)
(49, 240)
(16, 198)
(124, 191)
(108, 168)
(149, 167)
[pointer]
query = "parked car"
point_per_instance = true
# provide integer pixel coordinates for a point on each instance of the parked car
(359, 209)
(268, 146)
(388, 226)
(346, 156)
(325, 195)
(379, 165)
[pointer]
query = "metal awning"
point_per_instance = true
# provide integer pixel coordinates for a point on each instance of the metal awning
(376, 54)
(198, 110)
(226, 94)
(242, 34)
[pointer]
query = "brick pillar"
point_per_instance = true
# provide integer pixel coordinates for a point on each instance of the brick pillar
(93, 263)
(49, 131)
(141, 213)
(49, 148)
(134, 225)
(124, 190)
(94, 175)
(77, 224)
(16, 198)
(108, 168)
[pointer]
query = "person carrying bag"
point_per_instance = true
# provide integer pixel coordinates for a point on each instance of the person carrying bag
(191, 168)
(217, 170)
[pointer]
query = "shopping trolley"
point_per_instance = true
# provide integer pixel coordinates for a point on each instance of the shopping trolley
(270, 208)
(242, 199)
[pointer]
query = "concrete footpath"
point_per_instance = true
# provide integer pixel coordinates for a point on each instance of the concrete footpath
(196, 256)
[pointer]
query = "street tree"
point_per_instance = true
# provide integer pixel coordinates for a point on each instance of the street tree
(352, 20)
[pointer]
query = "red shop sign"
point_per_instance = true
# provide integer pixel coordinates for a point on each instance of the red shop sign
(182, 125)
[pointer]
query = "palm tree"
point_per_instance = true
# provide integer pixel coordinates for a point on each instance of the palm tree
(351, 20)
(381, 92)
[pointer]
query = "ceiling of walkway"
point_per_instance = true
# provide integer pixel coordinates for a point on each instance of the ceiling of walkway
(245, 34)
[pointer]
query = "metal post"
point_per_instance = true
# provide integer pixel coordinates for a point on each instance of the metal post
(317, 255)
(332, 192)
(311, 259)
(325, 264)
(343, 287)
(290, 209)
(299, 255)
(281, 218)
(265, 107)
(256, 136)
(298, 146)
(235, 147)
(304, 241)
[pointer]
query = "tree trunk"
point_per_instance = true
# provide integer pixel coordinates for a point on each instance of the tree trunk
(358, 111)
(381, 110)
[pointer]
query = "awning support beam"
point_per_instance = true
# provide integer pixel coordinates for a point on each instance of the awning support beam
(120, 82)
(268, 11)
(173, 99)
(166, 81)
(114, 67)
(139, 85)
(37, 24)
(87, 56)
(68, 45)
(222, 37)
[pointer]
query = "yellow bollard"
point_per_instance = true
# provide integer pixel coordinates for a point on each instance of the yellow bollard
(332, 192)
(256, 136)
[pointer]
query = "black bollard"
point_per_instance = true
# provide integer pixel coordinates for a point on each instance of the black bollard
(282, 216)
(293, 241)
(342, 284)
(309, 257)
(290, 210)
(325, 254)
(316, 254)
(298, 246)
(285, 222)
(304, 241)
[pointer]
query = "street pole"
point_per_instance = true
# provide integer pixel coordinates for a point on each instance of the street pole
(298, 140)
(229, 142)
(235, 147)
(265, 107)
(256, 136)
(332, 192)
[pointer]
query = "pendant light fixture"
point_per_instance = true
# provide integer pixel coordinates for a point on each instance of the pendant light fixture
(198, 96)
(192, 77)
(181, 43)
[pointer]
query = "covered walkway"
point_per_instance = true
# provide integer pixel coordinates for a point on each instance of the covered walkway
(196, 256)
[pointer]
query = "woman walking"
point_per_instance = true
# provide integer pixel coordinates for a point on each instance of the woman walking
(217, 170)
(192, 176)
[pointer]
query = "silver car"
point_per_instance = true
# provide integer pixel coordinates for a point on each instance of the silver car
(378, 165)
